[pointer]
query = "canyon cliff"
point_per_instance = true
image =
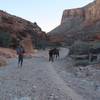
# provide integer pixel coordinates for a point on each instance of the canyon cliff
(78, 24)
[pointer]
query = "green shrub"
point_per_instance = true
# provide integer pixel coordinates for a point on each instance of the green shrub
(81, 63)
(95, 44)
(80, 47)
(5, 39)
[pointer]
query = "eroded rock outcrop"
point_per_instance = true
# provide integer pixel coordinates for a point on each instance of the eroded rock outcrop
(20, 29)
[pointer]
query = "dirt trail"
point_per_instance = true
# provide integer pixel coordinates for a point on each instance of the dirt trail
(36, 80)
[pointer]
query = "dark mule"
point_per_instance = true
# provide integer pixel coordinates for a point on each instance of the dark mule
(53, 53)
(56, 52)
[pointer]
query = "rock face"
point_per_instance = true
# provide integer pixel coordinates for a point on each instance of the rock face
(20, 30)
(80, 23)
(71, 14)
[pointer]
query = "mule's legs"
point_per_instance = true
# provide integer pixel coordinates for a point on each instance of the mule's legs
(52, 59)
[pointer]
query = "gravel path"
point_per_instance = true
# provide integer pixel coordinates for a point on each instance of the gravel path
(36, 80)
(85, 80)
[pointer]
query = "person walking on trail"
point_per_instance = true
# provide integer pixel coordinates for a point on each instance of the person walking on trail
(20, 52)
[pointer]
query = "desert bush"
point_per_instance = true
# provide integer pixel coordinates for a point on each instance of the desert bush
(14, 43)
(95, 44)
(80, 47)
(5, 39)
(3, 61)
(81, 63)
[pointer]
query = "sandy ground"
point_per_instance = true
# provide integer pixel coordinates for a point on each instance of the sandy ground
(40, 79)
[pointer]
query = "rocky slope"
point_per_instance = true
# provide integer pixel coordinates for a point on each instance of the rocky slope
(80, 23)
(19, 30)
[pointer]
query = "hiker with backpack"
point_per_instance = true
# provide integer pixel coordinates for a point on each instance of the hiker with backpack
(20, 52)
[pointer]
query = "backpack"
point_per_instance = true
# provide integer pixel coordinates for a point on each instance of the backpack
(20, 50)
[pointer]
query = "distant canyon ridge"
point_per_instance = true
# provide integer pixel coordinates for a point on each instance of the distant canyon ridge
(78, 24)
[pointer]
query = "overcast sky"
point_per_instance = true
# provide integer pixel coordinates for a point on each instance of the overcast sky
(47, 13)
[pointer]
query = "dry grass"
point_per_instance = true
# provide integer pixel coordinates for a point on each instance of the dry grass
(3, 61)
(7, 53)
(4, 54)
